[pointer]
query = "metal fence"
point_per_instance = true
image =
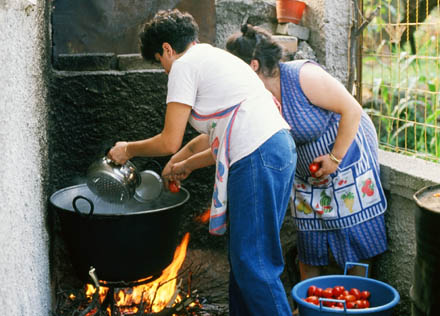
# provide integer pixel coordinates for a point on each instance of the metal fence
(401, 75)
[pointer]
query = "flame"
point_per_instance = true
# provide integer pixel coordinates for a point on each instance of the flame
(204, 217)
(157, 294)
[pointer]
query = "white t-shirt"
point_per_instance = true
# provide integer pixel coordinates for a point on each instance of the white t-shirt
(210, 80)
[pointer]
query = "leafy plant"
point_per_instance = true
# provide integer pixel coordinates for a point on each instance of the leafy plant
(402, 88)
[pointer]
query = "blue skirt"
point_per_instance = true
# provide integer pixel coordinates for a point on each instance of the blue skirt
(355, 243)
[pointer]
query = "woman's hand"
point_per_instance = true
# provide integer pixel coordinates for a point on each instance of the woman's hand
(118, 153)
(167, 175)
(174, 173)
(328, 166)
(180, 171)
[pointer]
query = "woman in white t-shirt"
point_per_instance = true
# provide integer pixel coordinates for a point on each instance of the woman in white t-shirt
(243, 133)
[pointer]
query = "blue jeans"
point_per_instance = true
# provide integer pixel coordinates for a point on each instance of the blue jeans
(259, 187)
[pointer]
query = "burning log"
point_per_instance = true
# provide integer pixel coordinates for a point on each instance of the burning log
(95, 298)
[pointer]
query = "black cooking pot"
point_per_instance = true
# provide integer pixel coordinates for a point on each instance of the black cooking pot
(123, 242)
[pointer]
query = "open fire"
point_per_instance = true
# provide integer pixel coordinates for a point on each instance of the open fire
(162, 296)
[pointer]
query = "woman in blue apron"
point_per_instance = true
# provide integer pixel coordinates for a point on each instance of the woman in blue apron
(339, 209)
(243, 133)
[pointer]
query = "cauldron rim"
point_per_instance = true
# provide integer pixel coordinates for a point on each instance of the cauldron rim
(124, 213)
(420, 192)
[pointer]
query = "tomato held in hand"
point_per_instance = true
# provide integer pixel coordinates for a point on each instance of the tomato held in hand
(313, 167)
(172, 186)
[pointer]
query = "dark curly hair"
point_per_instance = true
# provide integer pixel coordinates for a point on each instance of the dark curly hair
(256, 43)
(171, 26)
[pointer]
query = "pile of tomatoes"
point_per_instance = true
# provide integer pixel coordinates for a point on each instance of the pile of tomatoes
(354, 298)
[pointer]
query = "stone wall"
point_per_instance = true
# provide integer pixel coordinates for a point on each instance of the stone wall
(402, 176)
(24, 238)
(329, 22)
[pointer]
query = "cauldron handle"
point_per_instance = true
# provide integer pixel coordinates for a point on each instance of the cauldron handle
(92, 206)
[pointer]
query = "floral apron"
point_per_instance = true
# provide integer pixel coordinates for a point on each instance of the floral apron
(350, 196)
(218, 126)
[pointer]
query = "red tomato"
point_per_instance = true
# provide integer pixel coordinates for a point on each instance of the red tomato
(350, 305)
(356, 293)
(311, 290)
(328, 304)
(172, 186)
(313, 300)
(350, 298)
(345, 293)
(313, 167)
(366, 303)
(318, 292)
(358, 304)
(327, 293)
(339, 305)
(365, 295)
(337, 290)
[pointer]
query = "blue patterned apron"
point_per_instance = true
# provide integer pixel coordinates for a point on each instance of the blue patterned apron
(353, 193)
(218, 126)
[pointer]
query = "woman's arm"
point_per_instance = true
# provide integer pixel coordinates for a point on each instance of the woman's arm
(194, 146)
(198, 144)
(327, 92)
(181, 170)
(163, 144)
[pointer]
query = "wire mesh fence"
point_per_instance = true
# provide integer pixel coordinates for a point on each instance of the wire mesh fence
(401, 75)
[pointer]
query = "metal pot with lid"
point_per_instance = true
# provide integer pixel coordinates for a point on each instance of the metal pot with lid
(124, 242)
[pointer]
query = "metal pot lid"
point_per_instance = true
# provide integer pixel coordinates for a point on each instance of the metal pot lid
(63, 199)
(150, 187)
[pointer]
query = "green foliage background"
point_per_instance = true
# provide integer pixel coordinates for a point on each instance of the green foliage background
(400, 88)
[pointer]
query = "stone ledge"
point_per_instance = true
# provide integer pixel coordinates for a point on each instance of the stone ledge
(85, 62)
(134, 62)
(102, 62)
(404, 175)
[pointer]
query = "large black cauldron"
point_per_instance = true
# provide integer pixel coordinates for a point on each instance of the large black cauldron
(125, 242)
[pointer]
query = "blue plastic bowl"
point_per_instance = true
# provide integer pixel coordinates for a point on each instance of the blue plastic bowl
(383, 296)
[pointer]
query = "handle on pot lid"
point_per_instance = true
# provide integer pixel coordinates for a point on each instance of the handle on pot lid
(92, 206)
